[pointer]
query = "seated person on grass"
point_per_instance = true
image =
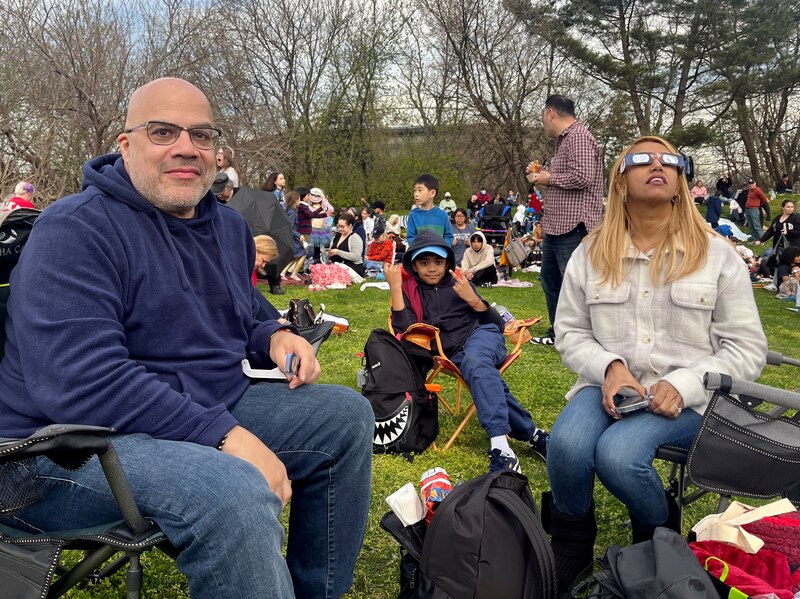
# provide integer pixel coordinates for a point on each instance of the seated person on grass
(478, 262)
(380, 251)
(471, 333)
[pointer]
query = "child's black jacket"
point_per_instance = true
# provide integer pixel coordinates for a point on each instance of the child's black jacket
(441, 306)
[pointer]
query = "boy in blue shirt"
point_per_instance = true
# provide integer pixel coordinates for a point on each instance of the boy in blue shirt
(426, 216)
(438, 294)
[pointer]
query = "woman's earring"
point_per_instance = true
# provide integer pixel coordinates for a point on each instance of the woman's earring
(624, 198)
(675, 198)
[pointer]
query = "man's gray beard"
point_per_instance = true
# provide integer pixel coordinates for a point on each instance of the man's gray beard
(150, 189)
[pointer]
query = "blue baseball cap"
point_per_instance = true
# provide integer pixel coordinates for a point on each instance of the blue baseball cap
(429, 249)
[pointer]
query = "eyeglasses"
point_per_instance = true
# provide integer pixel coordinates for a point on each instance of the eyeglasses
(644, 158)
(166, 134)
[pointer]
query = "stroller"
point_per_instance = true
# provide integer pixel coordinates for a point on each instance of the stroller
(493, 222)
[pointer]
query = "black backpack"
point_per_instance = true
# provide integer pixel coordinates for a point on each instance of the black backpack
(393, 380)
(485, 541)
(663, 568)
(15, 227)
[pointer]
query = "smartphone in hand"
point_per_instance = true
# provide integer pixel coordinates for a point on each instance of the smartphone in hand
(632, 404)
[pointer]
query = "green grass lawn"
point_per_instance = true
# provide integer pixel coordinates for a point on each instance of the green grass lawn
(538, 379)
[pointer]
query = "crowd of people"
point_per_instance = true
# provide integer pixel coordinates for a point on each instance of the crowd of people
(144, 281)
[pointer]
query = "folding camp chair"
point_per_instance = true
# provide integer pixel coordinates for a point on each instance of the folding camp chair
(427, 336)
(28, 562)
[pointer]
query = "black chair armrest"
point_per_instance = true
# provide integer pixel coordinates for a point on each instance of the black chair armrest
(70, 446)
(679, 455)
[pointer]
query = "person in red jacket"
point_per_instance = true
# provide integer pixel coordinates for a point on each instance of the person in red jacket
(380, 251)
(484, 197)
(752, 209)
(22, 198)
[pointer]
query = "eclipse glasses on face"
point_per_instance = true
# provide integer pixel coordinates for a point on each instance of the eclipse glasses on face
(645, 158)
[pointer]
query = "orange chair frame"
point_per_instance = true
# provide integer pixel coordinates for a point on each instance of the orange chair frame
(427, 336)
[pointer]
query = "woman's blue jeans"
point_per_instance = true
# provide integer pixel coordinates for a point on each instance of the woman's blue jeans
(586, 441)
(219, 510)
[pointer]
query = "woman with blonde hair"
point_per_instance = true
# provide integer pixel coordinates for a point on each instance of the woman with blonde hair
(228, 164)
(652, 299)
(266, 250)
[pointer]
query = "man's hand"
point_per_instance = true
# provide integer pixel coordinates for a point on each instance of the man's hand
(283, 343)
(245, 445)
(540, 178)
(393, 274)
(666, 400)
(617, 377)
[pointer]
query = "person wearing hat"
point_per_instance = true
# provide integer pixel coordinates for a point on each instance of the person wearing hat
(438, 293)
(222, 187)
(756, 200)
(448, 205)
(380, 251)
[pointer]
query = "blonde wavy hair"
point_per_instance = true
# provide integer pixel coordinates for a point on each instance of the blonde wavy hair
(682, 250)
(266, 245)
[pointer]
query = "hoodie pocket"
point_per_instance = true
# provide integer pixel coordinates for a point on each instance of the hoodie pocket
(607, 310)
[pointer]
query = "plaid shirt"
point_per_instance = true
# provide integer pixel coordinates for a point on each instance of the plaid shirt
(575, 192)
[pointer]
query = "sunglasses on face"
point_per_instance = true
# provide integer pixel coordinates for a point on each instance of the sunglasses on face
(645, 158)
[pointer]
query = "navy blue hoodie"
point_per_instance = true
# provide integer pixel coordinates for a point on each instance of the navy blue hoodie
(441, 306)
(121, 315)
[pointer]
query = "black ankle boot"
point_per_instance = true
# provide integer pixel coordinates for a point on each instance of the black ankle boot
(572, 541)
(641, 532)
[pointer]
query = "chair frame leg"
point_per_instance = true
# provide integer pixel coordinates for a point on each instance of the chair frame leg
(470, 414)
(83, 569)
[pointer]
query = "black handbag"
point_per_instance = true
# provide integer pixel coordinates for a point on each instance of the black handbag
(742, 451)
(301, 313)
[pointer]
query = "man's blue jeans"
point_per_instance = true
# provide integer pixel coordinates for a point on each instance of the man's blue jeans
(556, 252)
(498, 410)
(220, 511)
(753, 216)
(585, 440)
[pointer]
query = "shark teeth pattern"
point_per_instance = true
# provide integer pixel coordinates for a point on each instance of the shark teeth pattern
(389, 430)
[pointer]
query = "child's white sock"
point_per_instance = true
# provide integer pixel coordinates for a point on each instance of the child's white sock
(501, 442)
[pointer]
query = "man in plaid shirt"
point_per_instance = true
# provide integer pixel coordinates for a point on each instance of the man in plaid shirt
(573, 196)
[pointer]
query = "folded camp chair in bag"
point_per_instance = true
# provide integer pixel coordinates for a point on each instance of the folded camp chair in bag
(680, 481)
(427, 336)
(28, 562)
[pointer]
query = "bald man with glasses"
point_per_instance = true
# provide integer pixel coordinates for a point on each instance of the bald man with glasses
(132, 307)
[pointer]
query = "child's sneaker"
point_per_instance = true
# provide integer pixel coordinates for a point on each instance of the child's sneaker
(499, 460)
(538, 443)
